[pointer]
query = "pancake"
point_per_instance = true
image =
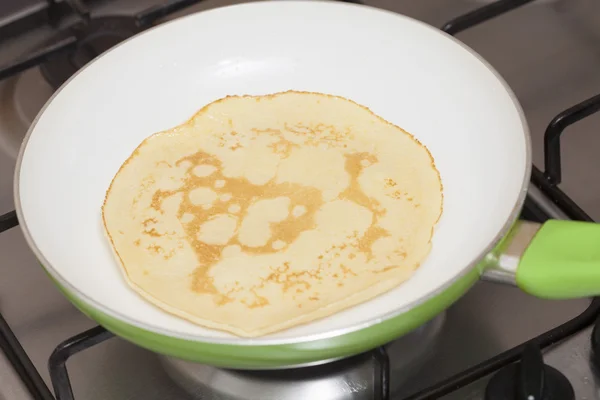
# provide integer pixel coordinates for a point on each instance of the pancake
(262, 213)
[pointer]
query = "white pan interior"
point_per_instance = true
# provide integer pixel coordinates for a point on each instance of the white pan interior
(405, 71)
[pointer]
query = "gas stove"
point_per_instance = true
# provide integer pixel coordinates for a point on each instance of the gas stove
(495, 343)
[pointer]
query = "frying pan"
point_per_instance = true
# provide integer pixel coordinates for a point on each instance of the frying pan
(407, 72)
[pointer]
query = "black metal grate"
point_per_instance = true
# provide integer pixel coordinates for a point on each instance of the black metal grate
(546, 181)
(143, 19)
(58, 359)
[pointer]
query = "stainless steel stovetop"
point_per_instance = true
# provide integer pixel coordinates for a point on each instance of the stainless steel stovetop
(548, 51)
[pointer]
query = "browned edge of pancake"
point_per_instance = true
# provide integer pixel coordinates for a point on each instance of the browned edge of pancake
(190, 120)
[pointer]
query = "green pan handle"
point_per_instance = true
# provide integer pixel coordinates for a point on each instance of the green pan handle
(556, 260)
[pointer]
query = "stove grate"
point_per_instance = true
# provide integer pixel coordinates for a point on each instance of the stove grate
(58, 359)
(482, 14)
(144, 19)
(552, 164)
(21, 363)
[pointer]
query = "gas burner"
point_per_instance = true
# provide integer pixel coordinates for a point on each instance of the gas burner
(21, 98)
(353, 378)
(530, 379)
(94, 37)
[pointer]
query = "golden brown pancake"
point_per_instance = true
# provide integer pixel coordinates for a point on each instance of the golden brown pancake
(265, 212)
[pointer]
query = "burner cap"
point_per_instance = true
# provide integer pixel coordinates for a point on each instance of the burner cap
(94, 38)
(530, 379)
(355, 378)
